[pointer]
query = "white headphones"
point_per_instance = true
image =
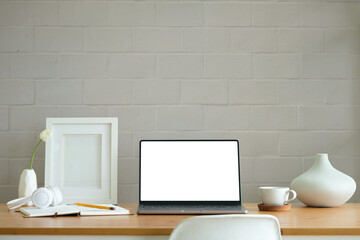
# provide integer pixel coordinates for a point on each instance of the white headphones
(41, 198)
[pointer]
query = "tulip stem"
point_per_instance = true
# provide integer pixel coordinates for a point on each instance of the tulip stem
(33, 155)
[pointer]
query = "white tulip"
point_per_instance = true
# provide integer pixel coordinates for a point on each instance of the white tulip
(45, 135)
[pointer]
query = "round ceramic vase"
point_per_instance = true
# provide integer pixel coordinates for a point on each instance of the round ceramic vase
(27, 183)
(322, 185)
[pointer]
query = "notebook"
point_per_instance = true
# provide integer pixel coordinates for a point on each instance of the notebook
(189, 177)
(62, 210)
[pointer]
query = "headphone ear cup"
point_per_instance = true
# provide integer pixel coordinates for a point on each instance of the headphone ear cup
(57, 196)
(42, 197)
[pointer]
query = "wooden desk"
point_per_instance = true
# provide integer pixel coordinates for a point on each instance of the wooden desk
(300, 220)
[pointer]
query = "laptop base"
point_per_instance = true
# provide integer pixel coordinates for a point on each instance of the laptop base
(182, 209)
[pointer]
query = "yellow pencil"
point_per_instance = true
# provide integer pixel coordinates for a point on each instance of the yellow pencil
(94, 206)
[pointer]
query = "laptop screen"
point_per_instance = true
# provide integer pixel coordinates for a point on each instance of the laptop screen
(189, 170)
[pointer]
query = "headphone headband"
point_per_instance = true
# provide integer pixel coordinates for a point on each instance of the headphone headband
(41, 198)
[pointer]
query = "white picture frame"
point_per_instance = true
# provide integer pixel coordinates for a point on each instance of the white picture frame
(81, 159)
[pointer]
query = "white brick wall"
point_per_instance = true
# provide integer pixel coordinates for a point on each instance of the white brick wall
(4, 66)
(107, 92)
(33, 66)
(227, 14)
(281, 76)
(276, 66)
(4, 118)
(276, 14)
(252, 92)
(157, 40)
(23, 147)
(134, 118)
(205, 40)
(83, 65)
(131, 14)
(14, 92)
(179, 66)
(156, 92)
(191, 118)
(59, 39)
(30, 118)
(253, 40)
(59, 92)
(228, 66)
(85, 111)
(226, 118)
(325, 66)
(5, 13)
(258, 143)
(107, 40)
(131, 66)
(40, 13)
(275, 117)
(16, 39)
(324, 14)
(179, 14)
(74, 13)
(300, 40)
(204, 92)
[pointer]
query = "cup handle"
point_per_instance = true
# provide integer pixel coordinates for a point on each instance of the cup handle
(293, 197)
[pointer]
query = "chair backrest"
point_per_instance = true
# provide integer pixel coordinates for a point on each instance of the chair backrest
(226, 227)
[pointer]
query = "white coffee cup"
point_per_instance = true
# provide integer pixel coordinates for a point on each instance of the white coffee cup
(276, 195)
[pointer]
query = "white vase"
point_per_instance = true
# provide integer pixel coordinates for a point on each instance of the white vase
(27, 183)
(322, 185)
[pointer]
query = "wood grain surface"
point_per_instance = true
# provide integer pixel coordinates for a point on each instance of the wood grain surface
(300, 220)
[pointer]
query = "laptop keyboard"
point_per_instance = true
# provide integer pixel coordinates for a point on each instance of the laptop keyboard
(190, 206)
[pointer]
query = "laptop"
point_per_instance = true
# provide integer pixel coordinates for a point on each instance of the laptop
(189, 177)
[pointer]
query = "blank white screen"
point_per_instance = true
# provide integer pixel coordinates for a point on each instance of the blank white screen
(189, 171)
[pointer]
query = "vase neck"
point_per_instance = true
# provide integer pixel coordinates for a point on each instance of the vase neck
(322, 161)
